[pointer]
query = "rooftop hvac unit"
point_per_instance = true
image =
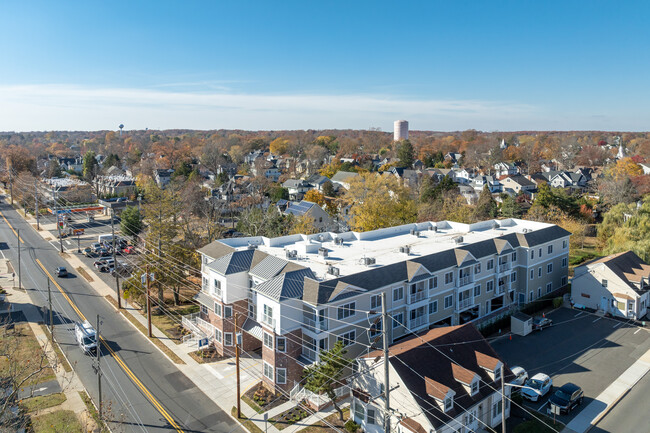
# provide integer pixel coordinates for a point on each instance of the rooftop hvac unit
(322, 252)
(415, 233)
(405, 249)
(458, 240)
(321, 238)
(435, 229)
(252, 247)
(333, 270)
(338, 241)
(368, 261)
(292, 254)
(495, 225)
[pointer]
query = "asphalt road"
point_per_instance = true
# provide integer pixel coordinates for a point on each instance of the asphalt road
(629, 414)
(154, 395)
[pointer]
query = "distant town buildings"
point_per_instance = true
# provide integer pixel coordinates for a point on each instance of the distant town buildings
(401, 130)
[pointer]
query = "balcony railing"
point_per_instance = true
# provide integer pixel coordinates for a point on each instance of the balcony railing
(417, 296)
(417, 322)
(268, 320)
(501, 289)
(504, 267)
(310, 354)
(465, 303)
(314, 326)
(463, 281)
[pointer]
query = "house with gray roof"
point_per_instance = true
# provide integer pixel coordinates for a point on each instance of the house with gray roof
(297, 295)
(343, 178)
(617, 284)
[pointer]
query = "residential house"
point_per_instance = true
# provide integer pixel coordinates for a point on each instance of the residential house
(72, 164)
(297, 188)
(461, 176)
(68, 189)
(616, 284)
(343, 178)
(505, 169)
(321, 220)
(565, 179)
(469, 194)
(265, 168)
(493, 184)
(163, 177)
(453, 157)
(115, 185)
(253, 156)
(410, 178)
(318, 181)
(297, 295)
(518, 184)
(445, 380)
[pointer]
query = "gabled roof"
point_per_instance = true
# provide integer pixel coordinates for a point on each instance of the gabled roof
(344, 176)
(486, 361)
(627, 266)
(442, 360)
(300, 208)
(233, 263)
(216, 249)
(268, 267)
(463, 256)
(412, 425)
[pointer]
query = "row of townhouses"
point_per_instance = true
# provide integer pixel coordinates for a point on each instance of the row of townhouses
(294, 296)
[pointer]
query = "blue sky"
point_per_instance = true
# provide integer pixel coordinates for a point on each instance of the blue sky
(443, 65)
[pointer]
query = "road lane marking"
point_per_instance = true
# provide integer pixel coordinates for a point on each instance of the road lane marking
(117, 358)
(11, 227)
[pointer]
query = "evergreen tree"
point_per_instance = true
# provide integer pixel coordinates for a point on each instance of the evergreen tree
(406, 154)
(486, 207)
(90, 165)
(509, 207)
(131, 223)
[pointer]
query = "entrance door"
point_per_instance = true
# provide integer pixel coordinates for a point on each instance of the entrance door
(603, 304)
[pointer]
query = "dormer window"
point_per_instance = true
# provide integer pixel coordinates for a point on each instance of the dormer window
(497, 374)
(475, 387)
(449, 403)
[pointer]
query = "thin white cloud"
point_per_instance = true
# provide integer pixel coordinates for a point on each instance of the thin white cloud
(64, 107)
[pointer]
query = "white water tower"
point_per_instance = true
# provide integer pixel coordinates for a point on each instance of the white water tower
(401, 130)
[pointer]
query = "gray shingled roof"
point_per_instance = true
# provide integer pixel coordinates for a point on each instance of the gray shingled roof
(204, 299)
(269, 267)
(232, 263)
(216, 249)
(285, 286)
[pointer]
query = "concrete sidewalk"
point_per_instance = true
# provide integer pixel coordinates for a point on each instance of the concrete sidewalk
(598, 408)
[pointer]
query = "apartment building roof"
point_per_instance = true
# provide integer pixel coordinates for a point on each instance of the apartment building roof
(371, 260)
(286, 285)
(433, 364)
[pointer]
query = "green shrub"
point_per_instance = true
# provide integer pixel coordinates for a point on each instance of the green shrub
(557, 302)
(351, 426)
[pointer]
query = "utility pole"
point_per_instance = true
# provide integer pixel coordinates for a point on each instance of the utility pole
(148, 300)
(49, 298)
(38, 220)
(11, 185)
(384, 326)
(237, 363)
(58, 223)
(20, 280)
(117, 276)
(503, 402)
(98, 349)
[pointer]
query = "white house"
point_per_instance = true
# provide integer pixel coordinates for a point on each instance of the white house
(505, 169)
(616, 284)
(447, 380)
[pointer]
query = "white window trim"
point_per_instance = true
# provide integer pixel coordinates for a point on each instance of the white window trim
(277, 376)
(225, 339)
(278, 345)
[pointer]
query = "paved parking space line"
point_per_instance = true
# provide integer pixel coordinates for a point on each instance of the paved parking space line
(637, 330)
(579, 314)
(542, 406)
(597, 320)
(617, 325)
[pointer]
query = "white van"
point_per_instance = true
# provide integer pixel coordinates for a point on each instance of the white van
(105, 238)
(86, 336)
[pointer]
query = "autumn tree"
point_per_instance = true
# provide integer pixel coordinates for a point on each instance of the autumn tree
(627, 227)
(486, 206)
(379, 201)
(625, 167)
(279, 146)
(257, 222)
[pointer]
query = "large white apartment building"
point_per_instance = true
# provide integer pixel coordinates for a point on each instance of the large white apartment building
(296, 295)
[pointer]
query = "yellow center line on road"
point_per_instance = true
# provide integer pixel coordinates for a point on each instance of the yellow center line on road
(11, 227)
(119, 360)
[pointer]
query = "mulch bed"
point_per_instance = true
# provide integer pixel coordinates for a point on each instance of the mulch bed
(206, 355)
(261, 397)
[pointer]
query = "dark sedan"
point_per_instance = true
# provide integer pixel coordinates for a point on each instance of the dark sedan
(567, 397)
(540, 323)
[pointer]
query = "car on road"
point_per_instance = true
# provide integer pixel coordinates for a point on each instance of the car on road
(540, 323)
(61, 272)
(536, 387)
(567, 397)
(520, 376)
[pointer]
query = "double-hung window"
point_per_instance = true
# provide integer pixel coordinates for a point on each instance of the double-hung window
(347, 338)
(268, 340)
(398, 293)
(375, 302)
(346, 310)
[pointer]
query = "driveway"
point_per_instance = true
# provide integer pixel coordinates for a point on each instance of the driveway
(581, 348)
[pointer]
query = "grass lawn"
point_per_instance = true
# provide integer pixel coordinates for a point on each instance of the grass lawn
(25, 349)
(535, 426)
(581, 255)
(62, 359)
(58, 421)
(332, 420)
(250, 426)
(43, 402)
(170, 326)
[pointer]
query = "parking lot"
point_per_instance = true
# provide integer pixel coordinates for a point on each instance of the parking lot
(587, 350)
(92, 230)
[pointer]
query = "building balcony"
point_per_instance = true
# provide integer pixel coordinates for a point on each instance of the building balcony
(464, 281)
(501, 289)
(504, 267)
(314, 326)
(417, 296)
(418, 322)
(309, 354)
(464, 304)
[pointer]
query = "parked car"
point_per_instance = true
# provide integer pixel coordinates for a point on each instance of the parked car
(537, 387)
(96, 246)
(98, 263)
(540, 323)
(61, 272)
(520, 376)
(88, 252)
(565, 399)
(107, 268)
(129, 250)
(103, 252)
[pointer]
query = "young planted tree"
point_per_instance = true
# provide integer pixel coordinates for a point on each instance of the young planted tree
(325, 376)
